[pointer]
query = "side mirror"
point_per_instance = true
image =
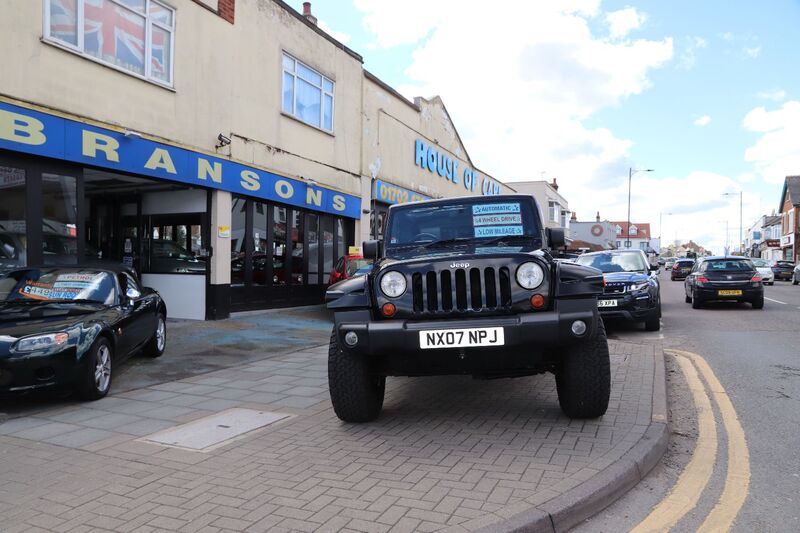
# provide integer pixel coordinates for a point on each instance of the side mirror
(132, 294)
(372, 249)
(556, 237)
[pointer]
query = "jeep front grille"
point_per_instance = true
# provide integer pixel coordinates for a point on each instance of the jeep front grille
(461, 290)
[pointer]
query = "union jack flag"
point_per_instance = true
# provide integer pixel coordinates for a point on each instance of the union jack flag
(114, 34)
(64, 20)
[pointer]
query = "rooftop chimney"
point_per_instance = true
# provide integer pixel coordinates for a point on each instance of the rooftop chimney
(598, 216)
(307, 13)
(574, 216)
(555, 185)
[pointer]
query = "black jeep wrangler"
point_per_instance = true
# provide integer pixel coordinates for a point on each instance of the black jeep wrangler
(467, 286)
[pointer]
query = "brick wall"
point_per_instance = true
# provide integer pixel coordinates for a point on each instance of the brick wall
(226, 9)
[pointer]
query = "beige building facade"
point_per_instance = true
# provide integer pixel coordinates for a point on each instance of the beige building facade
(229, 150)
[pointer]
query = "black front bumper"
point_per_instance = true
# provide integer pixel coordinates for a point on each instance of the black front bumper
(21, 373)
(631, 307)
(530, 344)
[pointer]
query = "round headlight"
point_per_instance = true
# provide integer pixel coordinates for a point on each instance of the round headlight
(530, 275)
(393, 284)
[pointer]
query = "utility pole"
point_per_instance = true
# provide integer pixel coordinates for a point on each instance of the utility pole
(631, 172)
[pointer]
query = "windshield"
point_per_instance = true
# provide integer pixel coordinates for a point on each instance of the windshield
(611, 262)
(760, 262)
(784, 263)
(728, 265)
(478, 221)
(50, 284)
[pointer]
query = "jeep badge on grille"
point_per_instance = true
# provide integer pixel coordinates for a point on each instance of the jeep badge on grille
(459, 265)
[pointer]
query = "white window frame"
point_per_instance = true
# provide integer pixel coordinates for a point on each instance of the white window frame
(618, 229)
(552, 211)
(149, 22)
(321, 87)
(632, 230)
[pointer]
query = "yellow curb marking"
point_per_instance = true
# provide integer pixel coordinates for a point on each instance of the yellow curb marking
(693, 480)
(737, 481)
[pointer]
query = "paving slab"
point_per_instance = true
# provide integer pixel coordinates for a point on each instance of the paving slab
(447, 453)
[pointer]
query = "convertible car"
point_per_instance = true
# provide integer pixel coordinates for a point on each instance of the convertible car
(69, 327)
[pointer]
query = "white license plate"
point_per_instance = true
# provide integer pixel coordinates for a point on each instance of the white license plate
(461, 338)
(606, 303)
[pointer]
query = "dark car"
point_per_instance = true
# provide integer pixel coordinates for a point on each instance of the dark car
(347, 267)
(681, 269)
(726, 279)
(68, 327)
(467, 286)
(631, 290)
(783, 270)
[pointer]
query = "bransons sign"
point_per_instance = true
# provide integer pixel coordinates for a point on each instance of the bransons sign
(427, 157)
(34, 132)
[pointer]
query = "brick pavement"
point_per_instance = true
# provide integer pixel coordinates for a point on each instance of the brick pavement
(447, 453)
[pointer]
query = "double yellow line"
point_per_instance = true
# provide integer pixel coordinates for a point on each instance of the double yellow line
(693, 480)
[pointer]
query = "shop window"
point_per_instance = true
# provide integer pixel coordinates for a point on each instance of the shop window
(260, 243)
(327, 246)
(279, 246)
(297, 247)
(13, 239)
(238, 218)
(341, 244)
(307, 94)
(312, 234)
(135, 36)
(59, 219)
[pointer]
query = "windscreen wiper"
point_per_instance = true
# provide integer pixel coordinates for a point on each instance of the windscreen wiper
(445, 242)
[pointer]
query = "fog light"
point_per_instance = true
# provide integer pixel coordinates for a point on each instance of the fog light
(537, 301)
(578, 328)
(350, 338)
(388, 309)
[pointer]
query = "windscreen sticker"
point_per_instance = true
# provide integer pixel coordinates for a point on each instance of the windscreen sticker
(77, 276)
(45, 291)
(496, 220)
(76, 281)
(491, 209)
(497, 231)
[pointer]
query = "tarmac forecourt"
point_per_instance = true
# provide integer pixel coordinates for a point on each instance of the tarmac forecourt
(692, 482)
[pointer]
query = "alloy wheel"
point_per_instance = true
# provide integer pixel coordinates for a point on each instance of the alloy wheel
(102, 369)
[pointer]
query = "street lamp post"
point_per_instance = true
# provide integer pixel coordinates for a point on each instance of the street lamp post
(741, 248)
(660, 217)
(631, 172)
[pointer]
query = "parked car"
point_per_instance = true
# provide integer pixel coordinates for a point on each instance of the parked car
(467, 285)
(783, 270)
(631, 290)
(347, 266)
(681, 269)
(69, 327)
(762, 265)
(668, 263)
(724, 278)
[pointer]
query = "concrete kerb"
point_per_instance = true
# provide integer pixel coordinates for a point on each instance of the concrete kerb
(592, 496)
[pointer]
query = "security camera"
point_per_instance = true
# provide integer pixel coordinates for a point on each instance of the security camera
(223, 140)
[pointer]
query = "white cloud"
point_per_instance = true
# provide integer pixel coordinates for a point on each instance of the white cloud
(519, 83)
(776, 95)
(705, 120)
(688, 58)
(776, 154)
(751, 52)
(340, 36)
(623, 21)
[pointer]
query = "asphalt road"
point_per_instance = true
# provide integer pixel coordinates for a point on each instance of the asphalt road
(755, 354)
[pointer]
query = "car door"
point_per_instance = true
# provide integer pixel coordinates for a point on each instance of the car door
(688, 283)
(140, 313)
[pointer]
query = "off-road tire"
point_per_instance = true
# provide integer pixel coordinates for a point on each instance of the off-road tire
(653, 322)
(583, 379)
(152, 348)
(696, 303)
(87, 387)
(356, 392)
(758, 304)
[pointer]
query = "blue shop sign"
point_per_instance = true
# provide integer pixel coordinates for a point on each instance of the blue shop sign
(394, 194)
(34, 132)
(437, 162)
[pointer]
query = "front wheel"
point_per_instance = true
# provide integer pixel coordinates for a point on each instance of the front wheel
(356, 392)
(96, 380)
(156, 346)
(583, 380)
(653, 322)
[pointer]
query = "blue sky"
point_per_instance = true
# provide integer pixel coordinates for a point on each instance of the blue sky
(675, 86)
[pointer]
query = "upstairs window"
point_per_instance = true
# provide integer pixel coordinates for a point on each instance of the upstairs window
(553, 211)
(135, 36)
(307, 94)
(619, 230)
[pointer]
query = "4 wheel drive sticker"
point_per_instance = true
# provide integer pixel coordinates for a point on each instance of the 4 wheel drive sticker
(497, 220)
